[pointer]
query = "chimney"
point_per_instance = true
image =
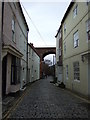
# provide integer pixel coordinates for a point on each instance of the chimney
(31, 44)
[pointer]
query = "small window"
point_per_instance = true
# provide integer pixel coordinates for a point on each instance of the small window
(65, 28)
(13, 25)
(59, 51)
(66, 71)
(65, 48)
(15, 70)
(14, 3)
(76, 71)
(88, 2)
(60, 34)
(13, 30)
(32, 52)
(24, 46)
(88, 30)
(76, 39)
(75, 11)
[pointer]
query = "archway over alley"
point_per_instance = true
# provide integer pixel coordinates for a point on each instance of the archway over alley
(43, 51)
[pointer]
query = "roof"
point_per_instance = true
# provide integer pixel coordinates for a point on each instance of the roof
(23, 16)
(65, 15)
(68, 10)
(31, 45)
(58, 31)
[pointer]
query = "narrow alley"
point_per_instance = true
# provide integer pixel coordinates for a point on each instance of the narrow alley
(46, 100)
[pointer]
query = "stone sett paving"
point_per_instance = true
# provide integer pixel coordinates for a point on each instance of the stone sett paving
(45, 100)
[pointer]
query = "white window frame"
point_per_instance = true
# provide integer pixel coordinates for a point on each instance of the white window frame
(13, 25)
(13, 30)
(76, 71)
(67, 72)
(76, 39)
(88, 29)
(75, 11)
(64, 47)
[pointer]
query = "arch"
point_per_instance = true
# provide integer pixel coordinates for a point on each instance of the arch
(42, 52)
(47, 53)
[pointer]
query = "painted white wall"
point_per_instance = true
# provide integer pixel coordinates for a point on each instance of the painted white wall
(33, 65)
(22, 35)
(58, 68)
(57, 55)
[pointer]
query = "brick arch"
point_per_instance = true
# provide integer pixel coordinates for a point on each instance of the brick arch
(47, 53)
(43, 51)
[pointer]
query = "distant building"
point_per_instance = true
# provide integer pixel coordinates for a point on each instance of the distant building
(33, 64)
(76, 48)
(14, 49)
(49, 62)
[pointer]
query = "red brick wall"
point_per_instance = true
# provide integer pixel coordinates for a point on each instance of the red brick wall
(42, 52)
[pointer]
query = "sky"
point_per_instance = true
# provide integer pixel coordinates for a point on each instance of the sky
(44, 20)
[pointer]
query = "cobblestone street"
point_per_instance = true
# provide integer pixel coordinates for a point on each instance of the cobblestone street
(45, 100)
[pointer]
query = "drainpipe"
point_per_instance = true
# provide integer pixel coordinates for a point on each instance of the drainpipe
(1, 39)
(2, 22)
(27, 60)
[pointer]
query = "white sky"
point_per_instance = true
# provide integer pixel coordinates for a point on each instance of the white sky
(51, 57)
(47, 18)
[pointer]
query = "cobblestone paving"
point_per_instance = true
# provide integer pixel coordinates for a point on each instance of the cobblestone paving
(45, 100)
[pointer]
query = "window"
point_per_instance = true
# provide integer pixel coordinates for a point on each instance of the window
(14, 4)
(60, 51)
(29, 52)
(13, 30)
(18, 66)
(76, 39)
(88, 29)
(24, 46)
(60, 34)
(64, 47)
(15, 70)
(75, 11)
(88, 2)
(76, 71)
(66, 71)
(65, 28)
(32, 52)
(32, 70)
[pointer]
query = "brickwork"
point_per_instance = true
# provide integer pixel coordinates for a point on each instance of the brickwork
(43, 51)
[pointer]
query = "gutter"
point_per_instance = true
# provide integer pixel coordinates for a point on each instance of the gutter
(1, 39)
(27, 60)
(2, 23)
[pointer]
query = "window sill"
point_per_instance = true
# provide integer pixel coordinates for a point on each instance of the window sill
(14, 41)
(77, 80)
(15, 88)
(88, 41)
